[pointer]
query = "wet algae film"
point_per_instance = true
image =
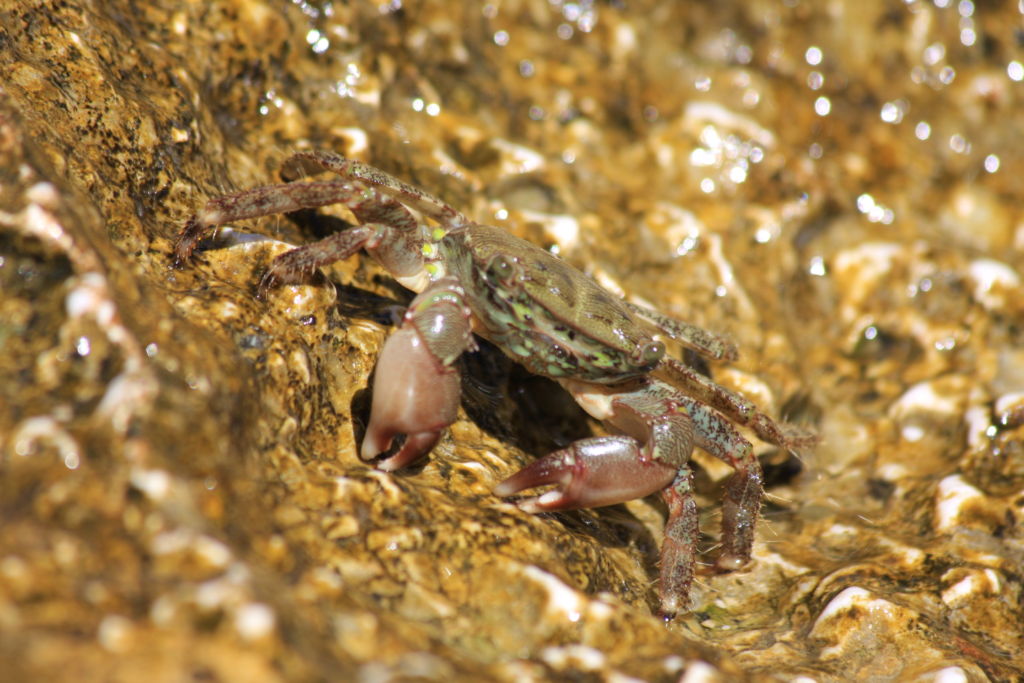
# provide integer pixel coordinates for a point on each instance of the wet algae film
(834, 186)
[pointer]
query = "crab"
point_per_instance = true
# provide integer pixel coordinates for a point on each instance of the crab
(608, 353)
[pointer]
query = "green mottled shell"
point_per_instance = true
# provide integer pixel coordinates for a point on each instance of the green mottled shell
(545, 314)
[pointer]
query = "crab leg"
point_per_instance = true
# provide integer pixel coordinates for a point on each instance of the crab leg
(416, 387)
(679, 546)
(742, 504)
(697, 338)
(298, 264)
(740, 409)
(388, 231)
(253, 203)
(422, 201)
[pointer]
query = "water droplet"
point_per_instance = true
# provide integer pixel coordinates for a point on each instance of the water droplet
(934, 53)
(958, 143)
(891, 113)
(817, 267)
(83, 346)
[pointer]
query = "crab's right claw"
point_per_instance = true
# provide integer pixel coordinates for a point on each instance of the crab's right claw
(602, 470)
(413, 394)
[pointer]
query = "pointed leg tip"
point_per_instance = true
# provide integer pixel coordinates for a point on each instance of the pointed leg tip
(182, 253)
(668, 611)
(186, 241)
(801, 438)
(730, 563)
(674, 602)
(262, 291)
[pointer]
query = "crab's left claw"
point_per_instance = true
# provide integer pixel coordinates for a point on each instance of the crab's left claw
(416, 390)
(601, 470)
(413, 395)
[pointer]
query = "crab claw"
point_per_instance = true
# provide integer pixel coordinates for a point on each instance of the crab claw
(413, 394)
(602, 470)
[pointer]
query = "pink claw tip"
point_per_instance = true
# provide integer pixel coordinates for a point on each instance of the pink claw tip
(413, 394)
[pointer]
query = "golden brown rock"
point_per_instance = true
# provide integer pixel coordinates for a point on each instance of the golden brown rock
(837, 186)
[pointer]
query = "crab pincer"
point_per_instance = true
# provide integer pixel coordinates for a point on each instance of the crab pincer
(593, 472)
(416, 388)
(407, 373)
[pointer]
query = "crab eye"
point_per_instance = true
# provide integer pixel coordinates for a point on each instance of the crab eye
(650, 353)
(501, 268)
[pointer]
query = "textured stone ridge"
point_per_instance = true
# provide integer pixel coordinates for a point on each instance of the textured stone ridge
(835, 186)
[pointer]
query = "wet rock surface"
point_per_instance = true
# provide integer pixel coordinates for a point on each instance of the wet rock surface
(833, 186)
